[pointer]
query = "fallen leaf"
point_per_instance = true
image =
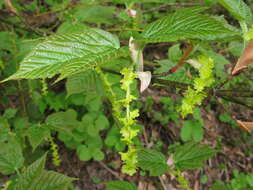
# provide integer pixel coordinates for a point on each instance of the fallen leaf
(246, 126)
(245, 59)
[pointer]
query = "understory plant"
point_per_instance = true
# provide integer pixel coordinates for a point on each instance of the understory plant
(106, 71)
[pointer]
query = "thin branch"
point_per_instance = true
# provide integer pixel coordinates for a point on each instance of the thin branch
(163, 184)
(180, 64)
(110, 170)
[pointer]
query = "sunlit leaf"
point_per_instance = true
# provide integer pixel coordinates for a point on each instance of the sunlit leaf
(68, 54)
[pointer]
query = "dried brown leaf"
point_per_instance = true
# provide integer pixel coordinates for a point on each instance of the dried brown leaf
(245, 59)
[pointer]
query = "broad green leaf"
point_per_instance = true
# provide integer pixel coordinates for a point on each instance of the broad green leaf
(35, 177)
(68, 54)
(36, 134)
(191, 156)
(63, 121)
(238, 9)
(120, 185)
(152, 161)
(185, 24)
(186, 131)
(11, 157)
(85, 82)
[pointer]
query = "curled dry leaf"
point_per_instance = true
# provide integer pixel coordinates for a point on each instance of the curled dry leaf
(145, 78)
(246, 126)
(245, 59)
(136, 54)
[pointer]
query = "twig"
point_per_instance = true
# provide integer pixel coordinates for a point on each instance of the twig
(163, 184)
(224, 82)
(110, 170)
(180, 64)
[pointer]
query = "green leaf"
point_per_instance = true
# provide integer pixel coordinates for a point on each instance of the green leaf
(98, 154)
(35, 177)
(185, 24)
(186, 131)
(85, 82)
(84, 153)
(102, 122)
(63, 121)
(36, 134)
(4, 129)
(11, 157)
(191, 155)
(218, 185)
(95, 14)
(197, 132)
(120, 185)
(10, 113)
(174, 53)
(153, 161)
(68, 54)
(238, 9)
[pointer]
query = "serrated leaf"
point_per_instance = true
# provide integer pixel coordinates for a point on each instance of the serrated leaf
(238, 9)
(191, 155)
(11, 157)
(68, 54)
(185, 24)
(120, 185)
(36, 134)
(153, 161)
(85, 82)
(35, 177)
(30, 173)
